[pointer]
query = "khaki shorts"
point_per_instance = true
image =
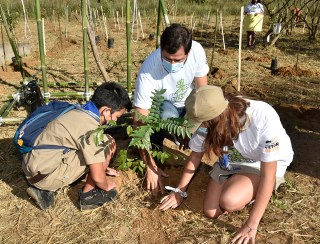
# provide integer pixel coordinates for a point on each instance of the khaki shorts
(220, 175)
(71, 169)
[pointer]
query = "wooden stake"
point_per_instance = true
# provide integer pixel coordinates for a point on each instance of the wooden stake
(118, 20)
(104, 18)
(67, 20)
(240, 46)
(25, 19)
(224, 45)
(122, 14)
(202, 22)
(54, 20)
(140, 24)
(60, 31)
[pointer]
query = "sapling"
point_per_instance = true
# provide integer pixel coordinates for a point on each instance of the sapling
(140, 136)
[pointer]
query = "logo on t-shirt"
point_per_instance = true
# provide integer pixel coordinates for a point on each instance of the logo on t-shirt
(272, 145)
(180, 92)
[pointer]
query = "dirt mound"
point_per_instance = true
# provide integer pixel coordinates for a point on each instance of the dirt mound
(231, 52)
(218, 73)
(258, 59)
(304, 117)
(295, 71)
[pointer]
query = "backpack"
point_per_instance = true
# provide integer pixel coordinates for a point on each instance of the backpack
(36, 122)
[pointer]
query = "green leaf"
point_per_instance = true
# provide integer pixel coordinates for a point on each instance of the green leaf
(129, 130)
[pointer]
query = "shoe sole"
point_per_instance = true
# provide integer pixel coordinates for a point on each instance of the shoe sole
(35, 197)
(95, 206)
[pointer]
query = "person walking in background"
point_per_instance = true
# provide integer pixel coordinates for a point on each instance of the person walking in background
(254, 152)
(253, 20)
(178, 66)
(48, 170)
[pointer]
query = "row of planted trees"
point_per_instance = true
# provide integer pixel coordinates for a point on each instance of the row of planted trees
(87, 31)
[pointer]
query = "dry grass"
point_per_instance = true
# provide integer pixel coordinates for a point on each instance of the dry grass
(292, 215)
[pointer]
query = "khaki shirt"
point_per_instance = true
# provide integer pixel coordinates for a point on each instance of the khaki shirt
(69, 130)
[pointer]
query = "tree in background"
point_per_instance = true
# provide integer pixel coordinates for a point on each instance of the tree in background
(291, 12)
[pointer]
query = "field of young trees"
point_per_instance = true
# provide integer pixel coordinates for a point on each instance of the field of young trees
(293, 89)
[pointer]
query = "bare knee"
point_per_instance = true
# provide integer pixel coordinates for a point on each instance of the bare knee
(230, 204)
(212, 213)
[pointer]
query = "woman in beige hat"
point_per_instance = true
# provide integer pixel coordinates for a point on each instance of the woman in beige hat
(254, 152)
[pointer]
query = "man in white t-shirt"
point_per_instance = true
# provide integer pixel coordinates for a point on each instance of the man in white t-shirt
(178, 66)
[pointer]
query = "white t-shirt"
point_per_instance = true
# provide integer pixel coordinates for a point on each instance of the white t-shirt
(264, 140)
(254, 8)
(152, 76)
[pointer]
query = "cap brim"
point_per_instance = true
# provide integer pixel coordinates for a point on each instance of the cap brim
(194, 125)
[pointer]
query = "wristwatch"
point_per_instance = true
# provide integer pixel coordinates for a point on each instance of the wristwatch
(184, 194)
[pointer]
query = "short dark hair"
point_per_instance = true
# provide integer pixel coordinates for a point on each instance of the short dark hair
(175, 36)
(112, 95)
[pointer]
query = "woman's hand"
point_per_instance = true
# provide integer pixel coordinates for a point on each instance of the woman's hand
(245, 235)
(173, 200)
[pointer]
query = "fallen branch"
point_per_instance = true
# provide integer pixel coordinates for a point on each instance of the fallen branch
(96, 53)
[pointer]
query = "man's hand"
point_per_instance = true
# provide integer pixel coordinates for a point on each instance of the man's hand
(173, 200)
(112, 172)
(154, 181)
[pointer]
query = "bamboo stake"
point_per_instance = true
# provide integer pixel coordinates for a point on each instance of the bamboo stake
(4, 51)
(129, 61)
(161, 9)
(224, 44)
(85, 49)
(44, 37)
(4, 107)
(8, 108)
(13, 42)
(240, 46)
(214, 42)
(165, 14)
(11, 120)
(42, 54)
(158, 25)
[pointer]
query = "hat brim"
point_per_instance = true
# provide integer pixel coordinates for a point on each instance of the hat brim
(194, 125)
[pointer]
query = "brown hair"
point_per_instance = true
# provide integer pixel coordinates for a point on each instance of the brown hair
(225, 128)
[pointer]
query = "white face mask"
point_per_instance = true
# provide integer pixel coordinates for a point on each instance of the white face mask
(172, 68)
